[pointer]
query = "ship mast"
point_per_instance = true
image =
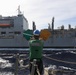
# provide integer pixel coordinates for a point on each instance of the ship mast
(34, 26)
(52, 23)
(52, 30)
(19, 11)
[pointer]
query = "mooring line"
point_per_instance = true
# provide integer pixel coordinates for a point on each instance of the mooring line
(59, 60)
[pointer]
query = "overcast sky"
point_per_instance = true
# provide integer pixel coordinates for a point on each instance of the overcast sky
(42, 11)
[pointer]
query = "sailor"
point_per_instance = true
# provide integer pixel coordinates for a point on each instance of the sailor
(36, 47)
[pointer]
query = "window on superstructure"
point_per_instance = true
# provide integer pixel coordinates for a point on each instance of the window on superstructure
(17, 32)
(3, 32)
(10, 32)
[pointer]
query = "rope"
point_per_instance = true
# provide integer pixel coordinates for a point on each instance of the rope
(60, 60)
(63, 71)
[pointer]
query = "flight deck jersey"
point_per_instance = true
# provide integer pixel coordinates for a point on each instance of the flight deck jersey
(36, 47)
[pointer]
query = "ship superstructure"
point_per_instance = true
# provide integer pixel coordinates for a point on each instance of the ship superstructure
(11, 31)
(61, 38)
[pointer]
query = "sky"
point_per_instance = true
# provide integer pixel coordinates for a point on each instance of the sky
(42, 11)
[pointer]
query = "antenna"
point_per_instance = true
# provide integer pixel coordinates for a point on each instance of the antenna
(49, 26)
(19, 11)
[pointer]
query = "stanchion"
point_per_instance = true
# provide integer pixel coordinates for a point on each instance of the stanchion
(33, 67)
(16, 64)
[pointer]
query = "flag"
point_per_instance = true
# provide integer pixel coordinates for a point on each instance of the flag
(45, 34)
(28, 34)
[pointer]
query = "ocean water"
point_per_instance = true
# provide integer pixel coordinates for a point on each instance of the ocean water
(64, 58)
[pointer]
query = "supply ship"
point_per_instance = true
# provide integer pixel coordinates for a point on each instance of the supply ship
(12, 28)
(61, 38)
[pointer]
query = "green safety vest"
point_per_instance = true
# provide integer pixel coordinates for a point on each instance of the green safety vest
(36, 47)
